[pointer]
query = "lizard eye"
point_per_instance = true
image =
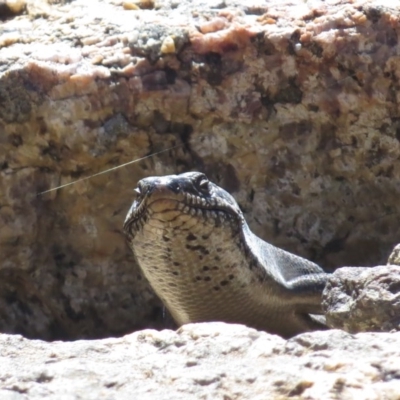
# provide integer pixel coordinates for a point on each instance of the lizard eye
(203, 184)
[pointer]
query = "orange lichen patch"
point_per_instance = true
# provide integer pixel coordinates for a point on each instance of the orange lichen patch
(128, 69)
(61, 91)
(130, 5)
(42, 75)
(234, 38)
(359, 18)
(138, 4)
(305, 37)
(9, 39)
(269, 21)
(266, 19)
(214, 25)
(82, 84)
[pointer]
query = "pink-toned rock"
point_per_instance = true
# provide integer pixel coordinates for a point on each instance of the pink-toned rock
(215, 361)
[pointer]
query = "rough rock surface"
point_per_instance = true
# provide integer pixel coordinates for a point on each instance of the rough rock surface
(204, 361)
(292, 106)
(394, 258)
(363, 299)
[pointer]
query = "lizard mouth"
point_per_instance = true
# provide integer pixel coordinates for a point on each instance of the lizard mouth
(168, 200)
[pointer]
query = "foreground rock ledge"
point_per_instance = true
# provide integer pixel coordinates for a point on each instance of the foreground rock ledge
(208, 361)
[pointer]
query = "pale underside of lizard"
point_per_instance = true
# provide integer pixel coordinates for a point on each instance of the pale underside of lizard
(194, 246)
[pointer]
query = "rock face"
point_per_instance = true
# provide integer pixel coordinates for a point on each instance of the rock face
(394, 258)
(291, 106)
(363, 299)
(204, 361)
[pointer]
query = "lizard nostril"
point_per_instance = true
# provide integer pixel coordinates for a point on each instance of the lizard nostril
(174, 186)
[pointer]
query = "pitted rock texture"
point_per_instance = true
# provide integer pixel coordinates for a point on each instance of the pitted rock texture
(204, 361)
(291, 106)
(363, 299)
(394, 258)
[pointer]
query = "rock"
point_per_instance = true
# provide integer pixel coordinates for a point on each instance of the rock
(291, 106)
(394, 258)
(213, 360)
(363, 299)
(9, 8)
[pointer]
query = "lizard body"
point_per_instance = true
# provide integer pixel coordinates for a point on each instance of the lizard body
(194, 246)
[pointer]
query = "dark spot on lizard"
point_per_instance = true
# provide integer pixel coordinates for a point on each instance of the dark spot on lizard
(206, 268)
(191, 237)
(200, 248)
(16, 140)
(207, 278)
(224, 283)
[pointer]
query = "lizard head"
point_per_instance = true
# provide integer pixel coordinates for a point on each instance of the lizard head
(190, 194)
